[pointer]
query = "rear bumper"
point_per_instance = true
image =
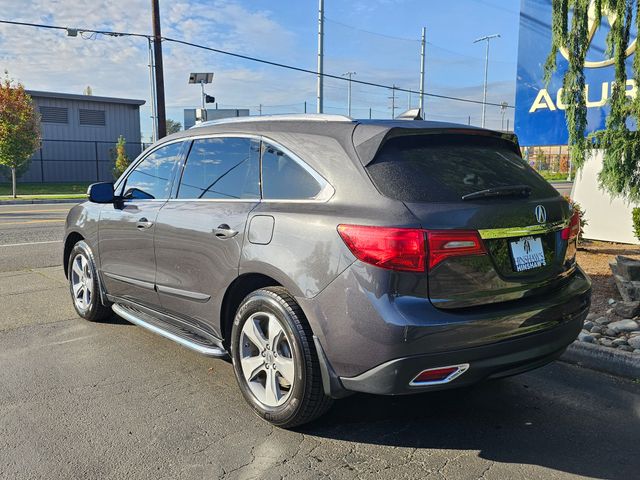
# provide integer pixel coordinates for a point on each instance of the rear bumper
(503, 359)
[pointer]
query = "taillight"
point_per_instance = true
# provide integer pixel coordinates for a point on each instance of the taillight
(386, 247)
(443, 244)
(571, 232)
(405, 249)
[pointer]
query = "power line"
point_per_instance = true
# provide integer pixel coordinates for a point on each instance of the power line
(378, 34)
(255, 59)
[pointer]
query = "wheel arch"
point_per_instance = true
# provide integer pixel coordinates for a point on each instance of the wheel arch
(71, 239)
(235, 294)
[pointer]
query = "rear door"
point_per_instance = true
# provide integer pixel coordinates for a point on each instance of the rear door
(199, 233)
(127, 227)
(439, 177)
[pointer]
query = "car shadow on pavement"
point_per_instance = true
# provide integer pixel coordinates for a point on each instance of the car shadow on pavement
(556, 417)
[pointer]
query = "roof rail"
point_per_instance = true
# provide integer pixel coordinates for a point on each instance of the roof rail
(299, 117)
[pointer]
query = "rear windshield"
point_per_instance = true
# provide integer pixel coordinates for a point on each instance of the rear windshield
(443, 168)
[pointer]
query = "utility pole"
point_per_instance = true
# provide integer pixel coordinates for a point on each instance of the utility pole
(157, 51)
(320, 92)
(152, 85)
(393, 101)
(487, 38)
(422, 66)
(349, 74)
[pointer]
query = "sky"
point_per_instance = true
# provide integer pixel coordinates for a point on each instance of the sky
(377, 39)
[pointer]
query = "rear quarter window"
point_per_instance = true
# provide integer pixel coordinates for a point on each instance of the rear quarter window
(443, 168)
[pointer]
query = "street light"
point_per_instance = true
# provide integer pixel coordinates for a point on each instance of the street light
(349, 74)
(486, 71)
(202, 78)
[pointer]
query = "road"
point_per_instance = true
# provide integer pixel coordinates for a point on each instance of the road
(110, 400)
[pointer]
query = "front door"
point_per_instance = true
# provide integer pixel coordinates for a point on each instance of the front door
(199, 234)
(127, 228)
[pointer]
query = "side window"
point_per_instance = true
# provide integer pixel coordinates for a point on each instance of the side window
(285, 179)
(222, 168)
(151, 179)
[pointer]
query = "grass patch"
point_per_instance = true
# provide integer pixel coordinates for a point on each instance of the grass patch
(30, 189)
(554, 176)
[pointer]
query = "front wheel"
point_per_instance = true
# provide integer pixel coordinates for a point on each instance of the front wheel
(275, 360)
(83, 284)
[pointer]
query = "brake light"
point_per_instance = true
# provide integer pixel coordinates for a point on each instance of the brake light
(386, 247)
(443, 244)
(571, 232)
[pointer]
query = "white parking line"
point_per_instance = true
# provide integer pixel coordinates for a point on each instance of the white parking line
(30, 243)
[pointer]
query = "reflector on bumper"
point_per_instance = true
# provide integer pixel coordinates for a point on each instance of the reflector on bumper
(439, 375)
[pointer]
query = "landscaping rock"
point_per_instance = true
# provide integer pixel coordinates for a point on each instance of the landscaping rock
(585, 337)
(625, 348)
(611, 301)
(602, 320)
(588, 325)
(634, 342)
(598, 329)
(629, 291)
(605, 342)
(610, 333)
(626, 325)
(619, 341)
(627, 309)
(628, 268)
(592, 316)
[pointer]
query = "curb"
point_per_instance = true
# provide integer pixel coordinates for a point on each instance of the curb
(603, 359)
(32, 202)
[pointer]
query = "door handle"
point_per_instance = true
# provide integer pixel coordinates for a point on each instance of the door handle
(224, 231)
(143, 224)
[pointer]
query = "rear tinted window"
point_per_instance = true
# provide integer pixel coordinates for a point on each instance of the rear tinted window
(285, 179)
(443, 168)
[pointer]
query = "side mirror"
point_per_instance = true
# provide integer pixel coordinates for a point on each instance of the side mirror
(101, 192)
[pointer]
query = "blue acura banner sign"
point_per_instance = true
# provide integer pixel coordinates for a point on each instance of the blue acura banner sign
(540, 113)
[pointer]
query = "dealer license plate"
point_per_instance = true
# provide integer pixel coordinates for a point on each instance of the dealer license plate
(527, 253)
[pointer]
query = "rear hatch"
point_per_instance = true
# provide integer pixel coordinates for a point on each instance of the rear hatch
(495, 230)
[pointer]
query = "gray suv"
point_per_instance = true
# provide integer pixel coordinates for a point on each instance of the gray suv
(327, 256)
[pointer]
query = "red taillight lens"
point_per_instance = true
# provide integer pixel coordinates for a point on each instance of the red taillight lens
(572, 231)
(386, 247)
(443, 244)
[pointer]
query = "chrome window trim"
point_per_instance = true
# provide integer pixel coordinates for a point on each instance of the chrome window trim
(326, 189)
(491, 233)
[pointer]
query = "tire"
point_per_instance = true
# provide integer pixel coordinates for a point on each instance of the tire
(303, 399)
(84, 286)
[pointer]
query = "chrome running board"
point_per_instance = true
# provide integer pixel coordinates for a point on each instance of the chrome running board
(130, 316)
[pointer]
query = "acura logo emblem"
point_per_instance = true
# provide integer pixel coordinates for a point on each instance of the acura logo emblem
(541, 214)
(592, 28)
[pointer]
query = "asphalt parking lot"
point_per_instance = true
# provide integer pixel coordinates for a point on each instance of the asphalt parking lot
(110, 400)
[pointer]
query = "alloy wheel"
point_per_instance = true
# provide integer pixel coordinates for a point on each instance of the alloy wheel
(82, 282)
(266, 359)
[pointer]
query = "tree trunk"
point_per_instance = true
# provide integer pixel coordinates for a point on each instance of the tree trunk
(13, 181)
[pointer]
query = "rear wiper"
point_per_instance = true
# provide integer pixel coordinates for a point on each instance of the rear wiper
(504, 191)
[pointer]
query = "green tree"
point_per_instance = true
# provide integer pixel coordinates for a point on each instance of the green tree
(620, 174)
(122, 159)
(19, 129)
(173, 126)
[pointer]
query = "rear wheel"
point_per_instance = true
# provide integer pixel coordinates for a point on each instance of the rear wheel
(83, 284)
(275, 361)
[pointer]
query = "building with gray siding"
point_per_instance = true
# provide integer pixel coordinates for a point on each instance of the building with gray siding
(213, 114)
(79, 134)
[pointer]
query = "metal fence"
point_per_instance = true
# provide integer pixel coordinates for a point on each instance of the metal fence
(76, 160)
(550, 160)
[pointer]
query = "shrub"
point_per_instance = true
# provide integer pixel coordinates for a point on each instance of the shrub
(636, 222)
(122, 159)
(575, 206)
